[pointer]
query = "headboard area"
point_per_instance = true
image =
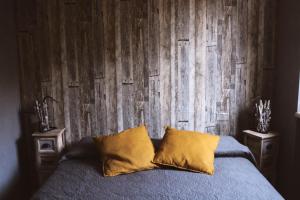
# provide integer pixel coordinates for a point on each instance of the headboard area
(115, 64)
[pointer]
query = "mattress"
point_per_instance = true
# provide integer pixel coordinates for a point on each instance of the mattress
(79, 176)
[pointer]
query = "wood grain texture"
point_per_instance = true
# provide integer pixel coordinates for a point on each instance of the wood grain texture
(153, 33)
(140, 61)
(71, 39)
(110, 65)
(164, 90)
(100, 107)
(64, 71)
(200, 63)
(115, 64)
(55, 53)
(98, 40)
(126, 23)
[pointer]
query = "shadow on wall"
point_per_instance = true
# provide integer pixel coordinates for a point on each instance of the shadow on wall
(25, 182)
(297, 163)
(16, 186)
(11, 186)
(26, 152)
(242, 123)
(9, 192)
(245, 121)
(22, 182)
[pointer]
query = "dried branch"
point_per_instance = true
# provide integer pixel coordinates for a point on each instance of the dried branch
(263, 115)
(41, 110)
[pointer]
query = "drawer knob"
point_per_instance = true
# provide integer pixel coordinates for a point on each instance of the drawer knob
(269, 147)
(46, 146)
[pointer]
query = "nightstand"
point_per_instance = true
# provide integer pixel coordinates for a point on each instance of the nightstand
(48, 147)
(265, 150)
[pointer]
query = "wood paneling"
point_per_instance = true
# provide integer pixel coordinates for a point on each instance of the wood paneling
(115, 64)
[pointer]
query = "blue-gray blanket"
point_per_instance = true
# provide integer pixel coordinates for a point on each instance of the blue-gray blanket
(235, 178)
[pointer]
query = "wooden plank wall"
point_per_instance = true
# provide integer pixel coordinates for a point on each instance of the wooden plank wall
(115, 64)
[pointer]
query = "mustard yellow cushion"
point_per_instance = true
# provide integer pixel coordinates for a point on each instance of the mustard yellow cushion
(187, 150)
(128, 151)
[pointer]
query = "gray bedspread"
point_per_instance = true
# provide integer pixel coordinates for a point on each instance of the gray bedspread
(235, 178)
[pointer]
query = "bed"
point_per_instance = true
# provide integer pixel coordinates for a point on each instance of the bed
(78, 176)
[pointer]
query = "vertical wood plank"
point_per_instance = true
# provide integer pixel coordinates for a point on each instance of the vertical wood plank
(126, 40)
(261, 47)
(74, 103)
(153, 36)
(140, 61)
(226, 65)
(126, 43)
(154, 107)
(173, 63)
(55, 62)
(241, 36)
(128, 106)
(86, 10)
(182, 19)
(183, 68)
(110, 66)
(29, 71)
(200, 65)
(252, 56)
(269, 49)
(210, 95)
(192, 64)
(98, 40)
(269, 33)
(86, 77)
(226, 69)
(182, 107)
(100, 107)
(71, 39)
(119, 70)
(43, 42)
(71, 31)
(146, 107)
(65, 78)
(165, 65)
(240, 97)
(212, 20)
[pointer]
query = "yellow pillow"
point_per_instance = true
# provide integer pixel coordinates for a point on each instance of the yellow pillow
(187, 150)
(128, 151)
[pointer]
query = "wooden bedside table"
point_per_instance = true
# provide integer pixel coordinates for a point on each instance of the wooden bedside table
(48, 147)
(265, 150)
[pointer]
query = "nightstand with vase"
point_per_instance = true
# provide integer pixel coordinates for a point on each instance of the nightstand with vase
(263, 143)
(265, 147)
(48, 148)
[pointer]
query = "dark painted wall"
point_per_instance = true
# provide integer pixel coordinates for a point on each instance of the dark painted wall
(286, 91)
(9, 103)
(297, 163)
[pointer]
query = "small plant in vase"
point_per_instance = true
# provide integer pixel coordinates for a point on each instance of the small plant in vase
(263, 116)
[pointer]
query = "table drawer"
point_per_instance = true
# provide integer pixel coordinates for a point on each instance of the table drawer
(269, 147)
(268, 161)
(48, 162)
(46, 145)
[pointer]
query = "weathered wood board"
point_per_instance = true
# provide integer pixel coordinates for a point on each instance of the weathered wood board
(115, 64)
